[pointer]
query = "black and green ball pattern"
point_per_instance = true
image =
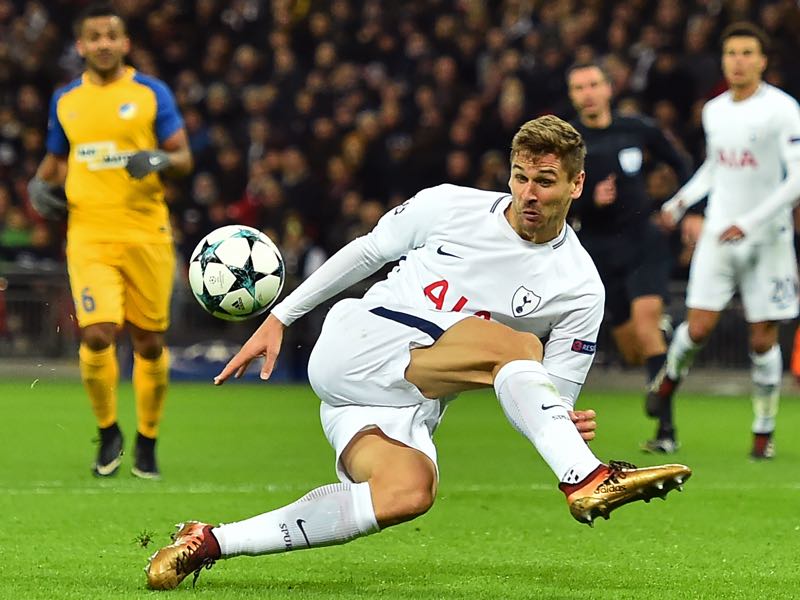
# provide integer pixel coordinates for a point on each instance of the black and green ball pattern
(236, 272)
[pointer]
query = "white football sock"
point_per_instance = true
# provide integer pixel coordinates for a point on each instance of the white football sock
(329, 515)
(533, 406)
(766, 371)
(681, 352)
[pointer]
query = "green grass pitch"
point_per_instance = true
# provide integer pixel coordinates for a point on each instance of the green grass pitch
(499, 529)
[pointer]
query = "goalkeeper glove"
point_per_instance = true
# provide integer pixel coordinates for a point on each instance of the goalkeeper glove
(47, 200)
(145, 162)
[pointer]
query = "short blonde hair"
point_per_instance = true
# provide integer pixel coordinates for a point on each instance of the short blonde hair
(551, 135)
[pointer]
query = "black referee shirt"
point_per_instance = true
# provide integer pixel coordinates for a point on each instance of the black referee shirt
(620, 149)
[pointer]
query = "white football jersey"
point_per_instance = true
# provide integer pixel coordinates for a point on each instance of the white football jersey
(748, 145)
(459, 253)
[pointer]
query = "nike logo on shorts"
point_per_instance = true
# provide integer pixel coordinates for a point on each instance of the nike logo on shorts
(551, 406)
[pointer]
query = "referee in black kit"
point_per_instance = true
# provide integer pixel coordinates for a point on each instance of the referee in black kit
(613, 221)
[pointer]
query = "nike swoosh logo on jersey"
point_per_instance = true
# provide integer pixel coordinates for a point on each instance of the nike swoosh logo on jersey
(551, 406)
(303, 531)
(440, 250)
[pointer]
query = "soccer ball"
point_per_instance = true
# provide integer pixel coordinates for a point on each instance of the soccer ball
(236, 272)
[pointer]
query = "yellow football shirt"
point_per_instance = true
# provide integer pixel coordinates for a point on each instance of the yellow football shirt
(98, 127)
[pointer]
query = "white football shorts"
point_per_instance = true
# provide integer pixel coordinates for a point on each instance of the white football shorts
(412, 426)
(765, 273)
(357, 369)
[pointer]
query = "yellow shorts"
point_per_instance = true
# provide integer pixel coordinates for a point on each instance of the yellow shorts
(118, 282)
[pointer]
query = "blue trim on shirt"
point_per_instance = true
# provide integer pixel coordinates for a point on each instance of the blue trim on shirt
(563, 239)
(496, 202)
(432, 329)
(168, 118)
(57, 142)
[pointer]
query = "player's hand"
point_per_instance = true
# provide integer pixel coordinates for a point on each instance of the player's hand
(691, 228)
(584, 422)
(144, 162)
(47, 200)
(266, 342)
(605, 192)
(732, 234)
(671, 212)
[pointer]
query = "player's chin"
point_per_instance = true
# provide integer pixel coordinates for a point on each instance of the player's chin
(532, 219)
(104, 64)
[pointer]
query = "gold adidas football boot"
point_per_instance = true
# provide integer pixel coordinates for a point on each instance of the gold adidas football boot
(194, 547)
(610, 486)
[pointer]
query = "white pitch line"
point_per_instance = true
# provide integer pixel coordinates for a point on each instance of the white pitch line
(147, 488)
(54, 488)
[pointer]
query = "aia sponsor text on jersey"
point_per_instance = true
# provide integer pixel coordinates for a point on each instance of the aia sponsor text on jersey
(736, 159)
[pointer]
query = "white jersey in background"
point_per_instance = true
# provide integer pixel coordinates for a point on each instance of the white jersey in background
(459, 254)
(752, 178)
(752, 148)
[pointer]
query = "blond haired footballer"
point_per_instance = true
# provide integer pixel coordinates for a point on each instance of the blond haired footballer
(110, 133)
(494, 291)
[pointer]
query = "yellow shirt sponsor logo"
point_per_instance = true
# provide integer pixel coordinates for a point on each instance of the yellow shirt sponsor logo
(101, 155)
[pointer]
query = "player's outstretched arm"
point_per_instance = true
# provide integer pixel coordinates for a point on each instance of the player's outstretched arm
(696, 189)
(266, 342)
(786, 195)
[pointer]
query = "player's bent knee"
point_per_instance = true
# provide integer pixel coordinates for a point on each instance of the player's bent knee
(147, 344)
(97, 337)
(519, 346)
(531, 346)
(415, 502)
(404, 492)
(645, 328)
(399, 501)
(760, 345)
(150, 350)
(699, 331)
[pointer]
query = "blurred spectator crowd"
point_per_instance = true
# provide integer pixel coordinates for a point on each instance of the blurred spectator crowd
(308, 118)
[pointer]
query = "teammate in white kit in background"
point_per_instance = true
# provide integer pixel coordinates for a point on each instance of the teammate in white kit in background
(485, 278)
(752, 139)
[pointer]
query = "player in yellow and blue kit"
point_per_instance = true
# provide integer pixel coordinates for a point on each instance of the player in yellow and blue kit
(109, 135)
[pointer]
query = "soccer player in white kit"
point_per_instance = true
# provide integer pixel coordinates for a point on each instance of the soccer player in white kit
(483, 279)
(752, 178)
